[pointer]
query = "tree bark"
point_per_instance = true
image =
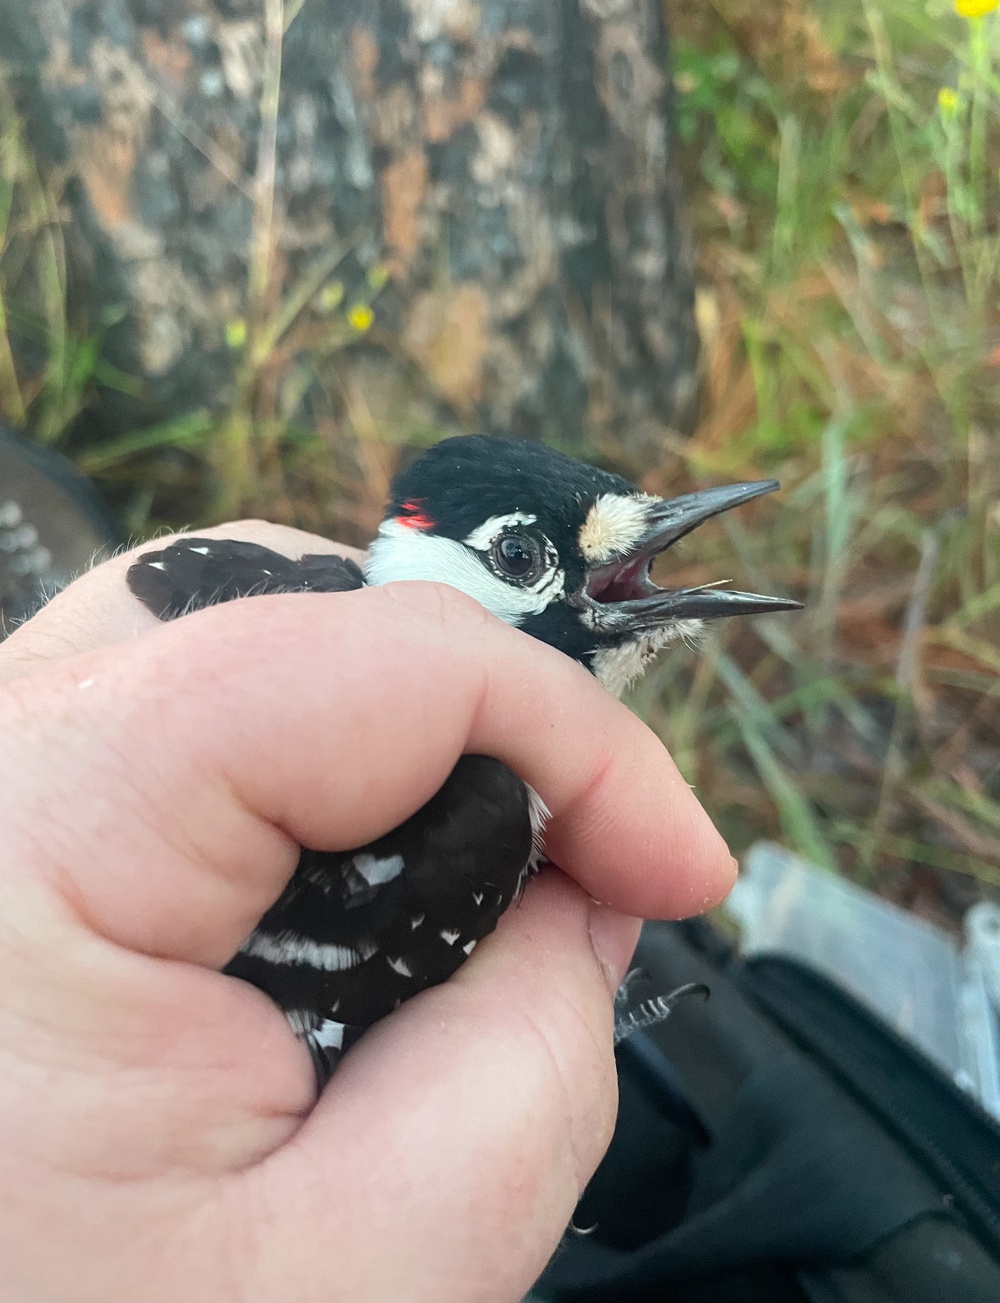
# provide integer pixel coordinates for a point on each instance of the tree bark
(493, 178)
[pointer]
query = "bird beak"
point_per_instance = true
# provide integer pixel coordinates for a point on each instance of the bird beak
(623, 598)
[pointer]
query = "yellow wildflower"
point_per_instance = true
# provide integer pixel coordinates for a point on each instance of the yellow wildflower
(360, 317)
(947, 100)
(975, 8)
(236, 333)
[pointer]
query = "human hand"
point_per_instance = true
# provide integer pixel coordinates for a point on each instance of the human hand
(158, 1139)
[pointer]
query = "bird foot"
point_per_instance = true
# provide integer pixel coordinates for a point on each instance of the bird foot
(648, 1013)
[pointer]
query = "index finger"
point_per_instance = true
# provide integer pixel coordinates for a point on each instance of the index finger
(325, 720)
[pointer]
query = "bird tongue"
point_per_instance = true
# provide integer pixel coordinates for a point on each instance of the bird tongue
(622, 581)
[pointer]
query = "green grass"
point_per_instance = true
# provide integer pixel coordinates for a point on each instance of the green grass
(843, 159)
(849, 264)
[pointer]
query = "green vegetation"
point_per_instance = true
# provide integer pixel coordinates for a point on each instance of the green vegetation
(33, 301)
(843, 159)
(848, 209)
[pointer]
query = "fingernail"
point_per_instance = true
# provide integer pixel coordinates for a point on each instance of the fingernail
(613, 937)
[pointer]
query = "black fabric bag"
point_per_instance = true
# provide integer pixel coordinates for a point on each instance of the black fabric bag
(52, 525)
(777, 1142)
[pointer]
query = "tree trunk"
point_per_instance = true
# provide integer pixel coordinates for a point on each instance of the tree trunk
(243, 178)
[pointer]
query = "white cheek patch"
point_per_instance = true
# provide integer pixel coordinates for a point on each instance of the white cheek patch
(483, 535)
(614, 525)
(401, 553)
(618, 667)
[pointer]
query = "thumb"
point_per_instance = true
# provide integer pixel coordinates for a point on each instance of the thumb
(456, 1138)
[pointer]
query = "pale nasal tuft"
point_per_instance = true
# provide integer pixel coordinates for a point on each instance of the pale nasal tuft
(614, 525)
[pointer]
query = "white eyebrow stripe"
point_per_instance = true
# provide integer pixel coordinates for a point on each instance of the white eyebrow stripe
(483, 535)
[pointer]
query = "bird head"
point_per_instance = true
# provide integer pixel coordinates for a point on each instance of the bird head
(555, 547)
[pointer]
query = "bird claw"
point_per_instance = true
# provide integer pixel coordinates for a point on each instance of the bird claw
(580, 1232)
(623, 996)
(649, 1012)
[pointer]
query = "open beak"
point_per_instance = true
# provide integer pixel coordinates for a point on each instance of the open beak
(623, 597)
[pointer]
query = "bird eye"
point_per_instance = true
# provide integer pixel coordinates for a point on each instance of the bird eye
(517, 556)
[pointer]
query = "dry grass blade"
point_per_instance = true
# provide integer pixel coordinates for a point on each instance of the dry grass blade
(850, 284)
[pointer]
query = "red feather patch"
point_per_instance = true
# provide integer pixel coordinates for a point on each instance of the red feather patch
(413, 516)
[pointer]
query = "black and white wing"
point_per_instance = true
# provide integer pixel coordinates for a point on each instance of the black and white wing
(356, 933)
(197, 572)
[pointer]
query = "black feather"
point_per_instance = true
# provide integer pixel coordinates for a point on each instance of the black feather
(197, 572)
(464, 856)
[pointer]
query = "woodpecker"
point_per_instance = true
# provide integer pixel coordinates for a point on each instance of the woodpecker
(554, 547)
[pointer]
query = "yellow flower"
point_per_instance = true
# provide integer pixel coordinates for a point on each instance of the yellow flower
(947, 101)
(975, 8)
(360, 317)
(236, 333)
